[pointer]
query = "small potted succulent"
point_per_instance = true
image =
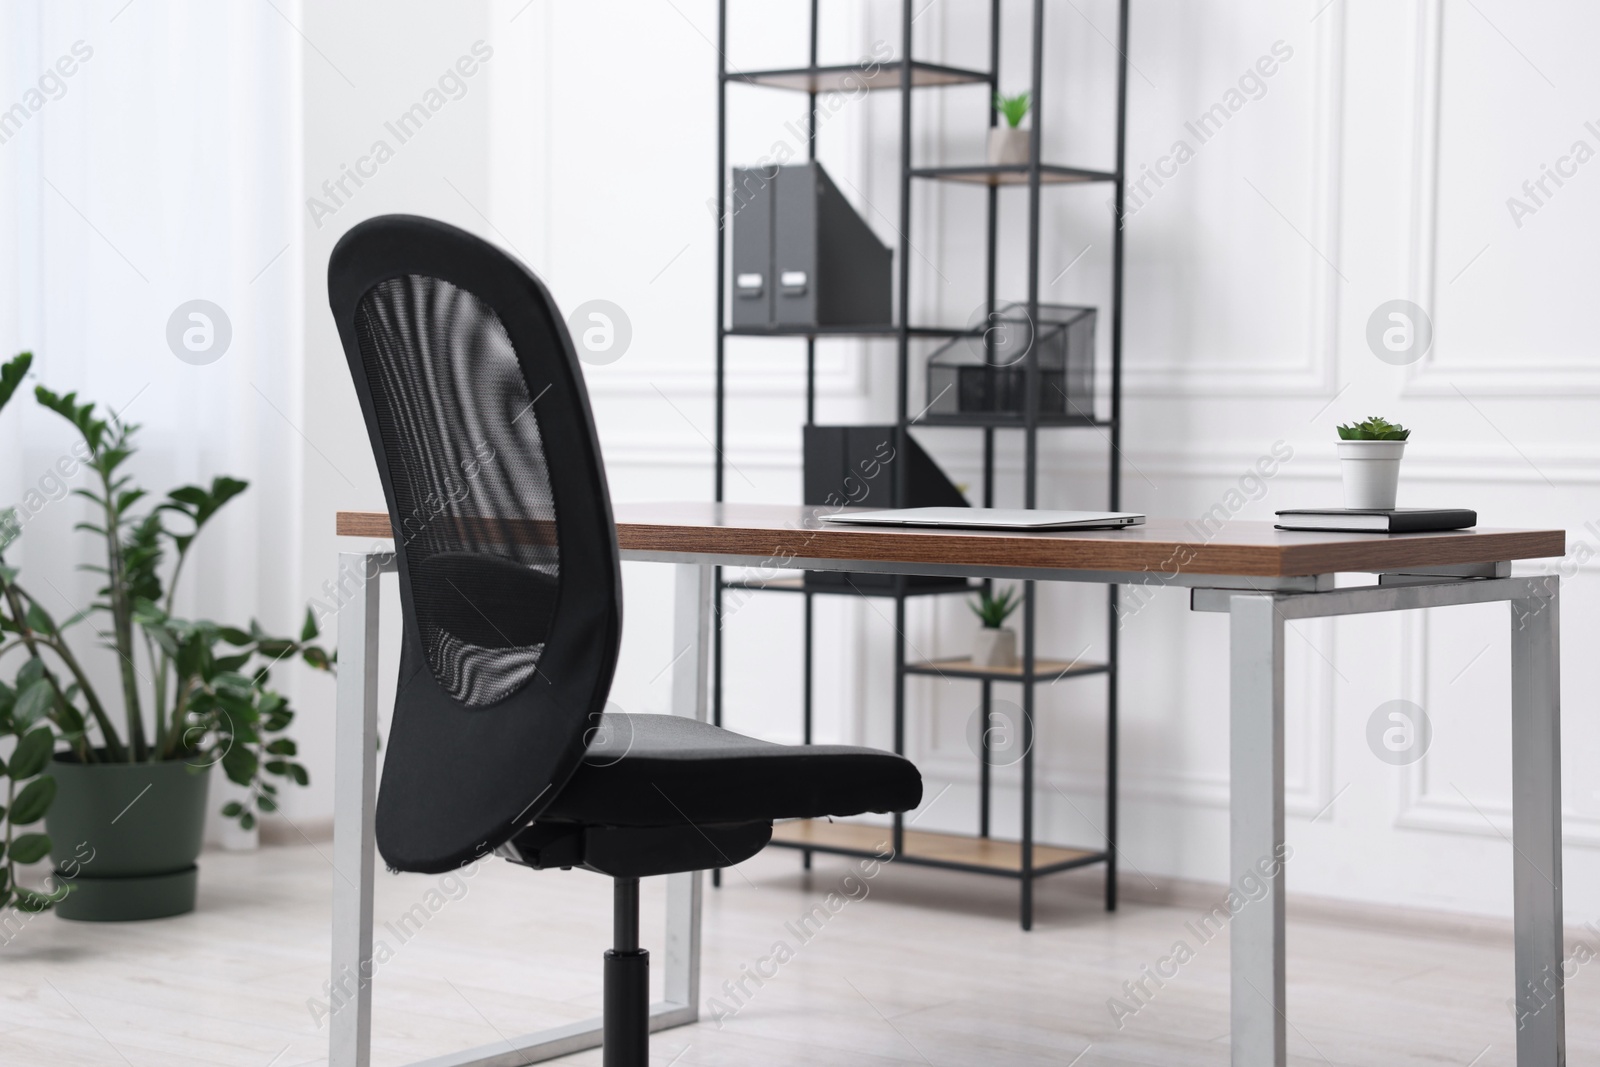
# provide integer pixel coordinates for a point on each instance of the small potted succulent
(995, 646)
(1369, 455)
(1008, 143)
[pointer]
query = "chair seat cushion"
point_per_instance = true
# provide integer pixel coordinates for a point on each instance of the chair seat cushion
(665, 770)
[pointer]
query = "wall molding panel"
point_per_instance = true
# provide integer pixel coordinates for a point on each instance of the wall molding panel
(1433, 376)
(1317, 372)
(1425, 803)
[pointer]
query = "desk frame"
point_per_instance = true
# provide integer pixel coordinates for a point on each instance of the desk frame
(1257, 609)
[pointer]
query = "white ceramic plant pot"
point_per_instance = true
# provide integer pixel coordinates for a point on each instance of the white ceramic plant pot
(994, 648)
(1371, 472)
(1008, 145)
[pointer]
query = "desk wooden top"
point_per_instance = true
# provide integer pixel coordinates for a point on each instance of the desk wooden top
(779, 532)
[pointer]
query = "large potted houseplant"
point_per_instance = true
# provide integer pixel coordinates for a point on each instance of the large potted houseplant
(121, 782)
(1369, 456)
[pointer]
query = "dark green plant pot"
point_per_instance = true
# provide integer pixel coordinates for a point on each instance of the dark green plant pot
(126, 836)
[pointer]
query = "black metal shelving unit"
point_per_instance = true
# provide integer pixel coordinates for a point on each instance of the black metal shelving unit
(1025, 860)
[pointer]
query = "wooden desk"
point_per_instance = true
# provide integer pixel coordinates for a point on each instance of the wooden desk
(1259, 576)
(757, 534)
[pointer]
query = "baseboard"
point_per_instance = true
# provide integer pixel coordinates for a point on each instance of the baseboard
(277, 830)
(1309, 907)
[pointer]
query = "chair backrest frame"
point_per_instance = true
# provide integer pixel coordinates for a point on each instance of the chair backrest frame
(465, 766)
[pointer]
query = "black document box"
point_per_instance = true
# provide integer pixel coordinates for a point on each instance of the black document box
(802, 257)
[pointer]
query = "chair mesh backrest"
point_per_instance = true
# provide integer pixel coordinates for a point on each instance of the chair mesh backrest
(459, 426)
(510, 582)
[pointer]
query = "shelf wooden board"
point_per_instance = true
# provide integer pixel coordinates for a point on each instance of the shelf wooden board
(1013, 174)
(921, 844)
(854, 77)
(1043, 669)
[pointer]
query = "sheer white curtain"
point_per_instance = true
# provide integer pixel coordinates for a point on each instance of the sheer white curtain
(149, 157)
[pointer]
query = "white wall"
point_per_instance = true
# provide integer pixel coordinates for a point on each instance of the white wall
(1370, 168)
(365, 64)
(159, 171)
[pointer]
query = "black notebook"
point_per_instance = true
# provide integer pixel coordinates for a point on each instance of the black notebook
(1362, 520)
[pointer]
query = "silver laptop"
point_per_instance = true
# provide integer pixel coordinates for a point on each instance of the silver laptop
(991, 518)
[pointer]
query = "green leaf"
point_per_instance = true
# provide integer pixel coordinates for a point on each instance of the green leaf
(74, 619)
(275, 648)
(10, 530)
(309, 630)
(236, 693)
(31, 900)
(33, 753)
(317, 658)
(39, 620)
(33, 801)
(235, 636)
(163, 639)
(283, 746)
(189, 496)
(199, 505)
(34, 702)
(994, 608)
(93, 429)
(30, 848)
(247, 821)
(232, 809)
(1014, 108)
(11, 375)
(240, 764)
(30, 672)
(232, 663)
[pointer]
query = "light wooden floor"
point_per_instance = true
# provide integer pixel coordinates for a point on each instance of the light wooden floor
(928, 968)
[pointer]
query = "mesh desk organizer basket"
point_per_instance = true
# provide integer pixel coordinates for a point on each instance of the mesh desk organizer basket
(986, 374)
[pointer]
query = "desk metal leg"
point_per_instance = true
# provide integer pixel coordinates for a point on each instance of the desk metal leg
(1259, 1025)
(355, 792)
(809, 663)
(691, 683)
(1536, 826)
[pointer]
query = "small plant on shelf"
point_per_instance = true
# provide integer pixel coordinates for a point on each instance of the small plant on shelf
(995, 608)
(994, 645)
(1014, 108)
(1008, 143)
(1373, 429)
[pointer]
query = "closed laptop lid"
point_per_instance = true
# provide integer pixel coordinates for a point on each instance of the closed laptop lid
(989, 518)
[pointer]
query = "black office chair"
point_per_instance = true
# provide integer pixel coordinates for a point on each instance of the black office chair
(511, 595)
